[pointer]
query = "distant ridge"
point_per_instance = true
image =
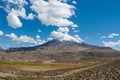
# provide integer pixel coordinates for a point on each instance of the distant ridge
(57, 44)
(59, 51)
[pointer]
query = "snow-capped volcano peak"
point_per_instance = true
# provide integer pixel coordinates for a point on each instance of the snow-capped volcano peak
(71, 39)
(66, 37)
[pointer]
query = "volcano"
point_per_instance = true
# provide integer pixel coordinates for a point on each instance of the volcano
(60, 51)
(55, 44)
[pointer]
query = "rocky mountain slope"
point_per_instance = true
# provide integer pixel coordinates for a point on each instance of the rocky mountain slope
(61, 51)
(59, 45)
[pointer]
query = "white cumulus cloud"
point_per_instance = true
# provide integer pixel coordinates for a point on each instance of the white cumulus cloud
(53, 12)
(25, 39)
(63, 29)
(113, 35)
(12, 36)
(111, 44)
(13, 20)
(110, 36)
(65, 36)
(17, 10)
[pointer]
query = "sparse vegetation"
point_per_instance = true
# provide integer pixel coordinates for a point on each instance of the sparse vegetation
(84, 70)
(24, 70)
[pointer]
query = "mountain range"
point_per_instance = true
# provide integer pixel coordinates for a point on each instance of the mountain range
(61, 51)
(57, 44)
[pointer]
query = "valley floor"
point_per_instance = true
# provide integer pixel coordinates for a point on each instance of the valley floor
(82, 70)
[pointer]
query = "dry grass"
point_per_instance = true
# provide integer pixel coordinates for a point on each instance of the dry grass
(44, 66)
(41, 71)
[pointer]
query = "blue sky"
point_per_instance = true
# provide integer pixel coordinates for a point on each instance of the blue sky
(24, 22)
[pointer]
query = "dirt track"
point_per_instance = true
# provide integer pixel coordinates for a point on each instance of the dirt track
(77, 70)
